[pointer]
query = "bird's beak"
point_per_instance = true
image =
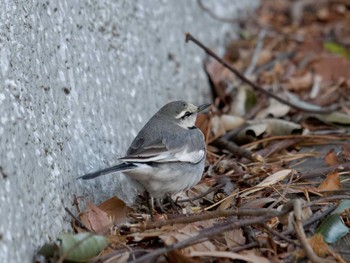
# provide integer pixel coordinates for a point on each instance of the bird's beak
(203, 107)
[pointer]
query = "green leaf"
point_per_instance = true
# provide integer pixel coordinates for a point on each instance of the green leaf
(343, 205)
(332, 228)
(335, 48)
(81, 247)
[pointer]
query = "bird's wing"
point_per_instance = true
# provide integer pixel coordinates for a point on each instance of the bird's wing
(160, 152)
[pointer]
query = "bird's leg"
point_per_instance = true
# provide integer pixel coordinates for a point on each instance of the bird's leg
(173, 204)
(159, 205)
(150, 202)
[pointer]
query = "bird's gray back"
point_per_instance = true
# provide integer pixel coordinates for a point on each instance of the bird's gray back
(160, 129)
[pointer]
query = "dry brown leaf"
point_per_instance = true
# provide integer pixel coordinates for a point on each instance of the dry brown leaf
(234, 238)
(319, 246)
(95, 219)
(186, 232)
(332, 68)
(331, 158)
(177, 257)
(116, 210)
(331, 183)
(202, 123)
(302, 82)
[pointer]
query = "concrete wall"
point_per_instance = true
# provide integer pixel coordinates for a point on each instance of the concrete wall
(78, 79)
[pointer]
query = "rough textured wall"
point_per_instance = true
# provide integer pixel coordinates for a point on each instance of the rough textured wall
(78, 79)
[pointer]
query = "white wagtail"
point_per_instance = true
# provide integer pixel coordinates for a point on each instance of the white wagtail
(168, 154)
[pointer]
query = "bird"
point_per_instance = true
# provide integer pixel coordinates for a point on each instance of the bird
(168, 154)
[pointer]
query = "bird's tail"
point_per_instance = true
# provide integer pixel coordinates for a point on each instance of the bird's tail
(116, 168)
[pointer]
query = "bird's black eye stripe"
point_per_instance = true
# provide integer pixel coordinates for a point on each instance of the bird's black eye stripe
(187, 114)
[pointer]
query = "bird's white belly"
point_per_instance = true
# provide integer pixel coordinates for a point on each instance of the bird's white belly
(167, 178)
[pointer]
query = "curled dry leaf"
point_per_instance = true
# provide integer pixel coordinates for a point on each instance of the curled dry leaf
(334, 118)
(116, 210)
(230, 122)
(331, 183)
(275, 109)
(267, 127)
(100, 218)
(331, 158)
(95, 219)
(219, 125)
(270, 180)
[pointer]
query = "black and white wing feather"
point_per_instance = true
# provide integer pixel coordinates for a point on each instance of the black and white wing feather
(161, 152)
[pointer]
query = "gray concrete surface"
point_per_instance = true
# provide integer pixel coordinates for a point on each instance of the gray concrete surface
(78, 79)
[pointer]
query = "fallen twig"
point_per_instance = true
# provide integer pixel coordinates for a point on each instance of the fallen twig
(212, 215)
(206, 233)
(81, 224)
(221, 143)
(298, 226)
(280, 235)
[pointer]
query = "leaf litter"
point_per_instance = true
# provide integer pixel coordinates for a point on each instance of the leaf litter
(275, 168)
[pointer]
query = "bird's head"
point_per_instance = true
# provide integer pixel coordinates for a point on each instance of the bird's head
(182, 113)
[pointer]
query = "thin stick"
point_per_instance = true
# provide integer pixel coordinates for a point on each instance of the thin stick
(206, 233)
(189, 37)
(298, 226)
(278, 234)
(235, 149)
(81, 224)
(212, 215)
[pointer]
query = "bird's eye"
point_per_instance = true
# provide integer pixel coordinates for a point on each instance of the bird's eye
(187, 114)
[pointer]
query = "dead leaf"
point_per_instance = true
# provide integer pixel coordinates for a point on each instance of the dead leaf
(332, 68)
(230, 122)
(177, 257)
(319, 246)
(234, 238)
(268, 181)
(116, 210)
(275, 109)
(95, 219)
(300, 82)
(331, 158)
(335, 117)
(202, 123)
(331, 183)
(185, 232)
